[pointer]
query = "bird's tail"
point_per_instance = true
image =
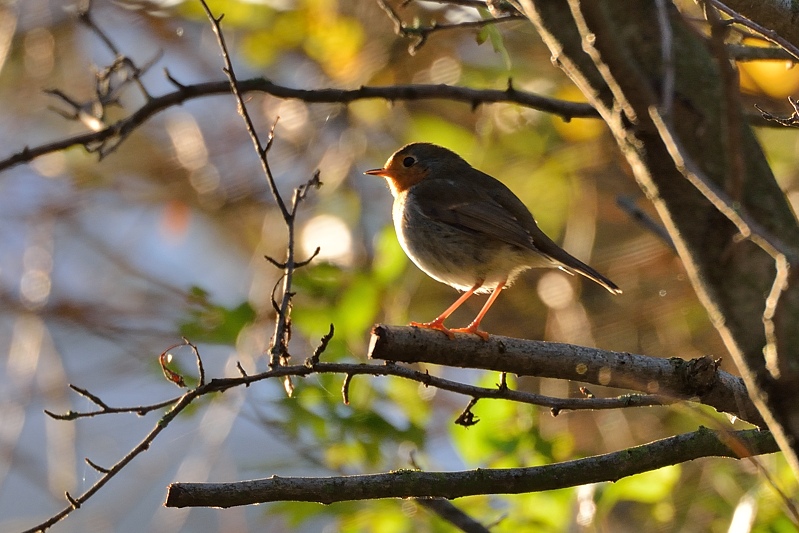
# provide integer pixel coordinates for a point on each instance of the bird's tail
(575, 265)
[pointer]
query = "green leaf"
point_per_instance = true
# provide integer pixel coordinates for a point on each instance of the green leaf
(545, 512)
(390, 260)
(491, 32)
(649, 487)
(216, 324)
(319, 280)
(432, 128)
(357, 307)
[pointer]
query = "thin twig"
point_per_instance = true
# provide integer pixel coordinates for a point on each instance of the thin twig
(629, 206)
(448, 511)
(278, 351)
(791, 121)
(748, 228)
(144, 445)
(424, 378)
(84, 15)
(768, 34)
(260, 149)
(419, 34)
(785, 257)
(317, 353)
(345, 389)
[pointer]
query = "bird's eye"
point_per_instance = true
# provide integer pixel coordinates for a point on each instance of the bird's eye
(408, 162)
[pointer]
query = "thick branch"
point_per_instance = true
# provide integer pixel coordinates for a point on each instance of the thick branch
(412, 483)
(670, 378)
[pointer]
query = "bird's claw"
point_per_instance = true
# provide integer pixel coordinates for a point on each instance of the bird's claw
(473, 330)
(437, 325)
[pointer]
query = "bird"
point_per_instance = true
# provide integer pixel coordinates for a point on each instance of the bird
(467, 229)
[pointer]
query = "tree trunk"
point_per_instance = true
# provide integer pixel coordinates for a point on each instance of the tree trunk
(669, 96)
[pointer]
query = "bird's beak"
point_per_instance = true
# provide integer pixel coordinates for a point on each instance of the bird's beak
(386, 173)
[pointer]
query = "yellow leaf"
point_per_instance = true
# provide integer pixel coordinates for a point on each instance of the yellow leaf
(577, 129)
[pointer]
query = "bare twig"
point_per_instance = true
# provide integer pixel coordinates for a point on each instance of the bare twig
(260, 148)
(791, 121)
(279, 349)
(787, 501)
(109, 83)
(446, 510)
(748, 227)
(84, 15)
(96, 466)
(317, 353)
(242, 372)
(140, 410)
(352, 369)
(345, 389)
(629, 206)
(200, 368)
(75, 502)
(785, 257)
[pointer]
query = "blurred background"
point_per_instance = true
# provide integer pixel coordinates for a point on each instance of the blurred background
(105, 264)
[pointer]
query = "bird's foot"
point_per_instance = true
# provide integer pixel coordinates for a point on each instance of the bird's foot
(472, 328)
(437, 325)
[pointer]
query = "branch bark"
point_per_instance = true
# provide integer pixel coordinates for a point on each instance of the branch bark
(412, 483)
(670, 378)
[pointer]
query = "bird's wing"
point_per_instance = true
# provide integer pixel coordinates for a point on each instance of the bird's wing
(498, 214)
(473, 212)
(547, 246)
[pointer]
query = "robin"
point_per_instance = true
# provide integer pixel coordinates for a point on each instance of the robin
(466, 229)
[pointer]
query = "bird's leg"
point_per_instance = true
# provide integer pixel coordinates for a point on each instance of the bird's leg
(438, 323)
(472, 328)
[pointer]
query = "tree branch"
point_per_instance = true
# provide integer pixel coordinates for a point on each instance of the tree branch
(121, 129)
(670, 378)
(412, 483)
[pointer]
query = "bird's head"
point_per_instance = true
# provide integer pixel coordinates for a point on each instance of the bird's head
(418, 161)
